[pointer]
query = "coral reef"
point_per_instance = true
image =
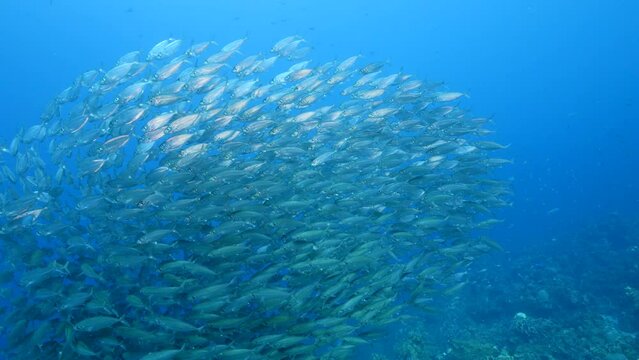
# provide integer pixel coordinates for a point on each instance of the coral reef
(554, 301)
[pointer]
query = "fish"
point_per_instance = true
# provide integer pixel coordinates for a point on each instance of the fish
(199, 48)
(131, 93)
(184, 204)
(96, 323)
(169, 69)
(233, 46)
(164, 49)
(131, 56)
(163, 354)
(448, 96)
(173, 324)
(281, 44)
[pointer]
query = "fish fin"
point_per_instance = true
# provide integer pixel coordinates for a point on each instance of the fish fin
(121, 319)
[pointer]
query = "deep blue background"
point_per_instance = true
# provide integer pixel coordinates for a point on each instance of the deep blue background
(559, 78)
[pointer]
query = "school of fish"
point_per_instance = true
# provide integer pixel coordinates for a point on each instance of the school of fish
(192, 202)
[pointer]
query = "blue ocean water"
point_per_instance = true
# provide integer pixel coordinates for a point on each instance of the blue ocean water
(559, 79)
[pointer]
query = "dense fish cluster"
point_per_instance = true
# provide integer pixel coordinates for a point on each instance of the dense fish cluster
(204, 204)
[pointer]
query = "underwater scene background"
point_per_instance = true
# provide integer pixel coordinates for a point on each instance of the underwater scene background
(405, 233)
